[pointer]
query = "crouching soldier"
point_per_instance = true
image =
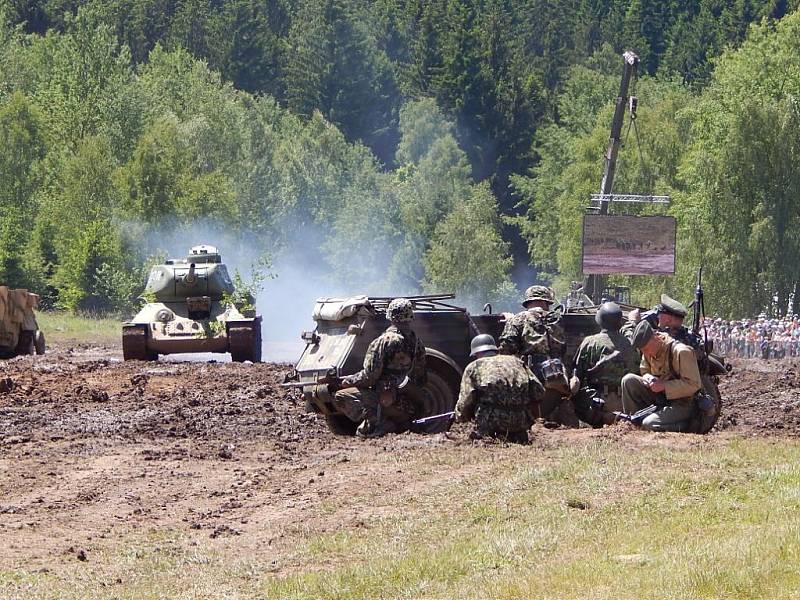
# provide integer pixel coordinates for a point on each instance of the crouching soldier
(669, 380)
(602, 360)
(536, 335)
(499, 392)
(377, 393)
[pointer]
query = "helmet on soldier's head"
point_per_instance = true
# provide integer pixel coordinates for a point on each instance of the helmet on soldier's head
(538, 292)
(482, 343)
(609, 316)
(400, 310)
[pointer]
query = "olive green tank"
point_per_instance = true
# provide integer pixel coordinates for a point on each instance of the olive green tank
(19, 331)
(190, 310)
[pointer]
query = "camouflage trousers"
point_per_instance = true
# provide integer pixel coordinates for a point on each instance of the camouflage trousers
(514, 437)
(375, 419)
(672, 417)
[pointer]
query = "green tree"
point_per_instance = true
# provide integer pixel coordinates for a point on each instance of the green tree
(467, 254)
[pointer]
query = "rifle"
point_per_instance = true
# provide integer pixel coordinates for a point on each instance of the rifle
(448, 415)
(331, 376)
(639, 416)
(699, 304)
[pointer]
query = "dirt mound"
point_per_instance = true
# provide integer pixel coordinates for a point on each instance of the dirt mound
(762, 396)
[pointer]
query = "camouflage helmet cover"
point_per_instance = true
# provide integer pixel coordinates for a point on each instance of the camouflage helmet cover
(539, 292)
(400, 310)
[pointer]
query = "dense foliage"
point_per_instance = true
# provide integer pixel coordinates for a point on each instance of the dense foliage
(404, 144)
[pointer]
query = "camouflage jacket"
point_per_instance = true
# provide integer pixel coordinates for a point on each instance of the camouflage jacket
(500, 393)
(609, 374)
(394, 354)
(532, 332)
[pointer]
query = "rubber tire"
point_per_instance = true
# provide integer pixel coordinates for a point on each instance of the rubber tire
(39, 343)
(25, 343)
(438, 396)
(341, 425)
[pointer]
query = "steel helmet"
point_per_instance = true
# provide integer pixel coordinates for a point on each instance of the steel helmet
(482, 343)
(400, 310)
(609, 316)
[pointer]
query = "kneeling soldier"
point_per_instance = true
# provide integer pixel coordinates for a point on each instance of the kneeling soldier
(393, 358)
(499, 392)
(669, 380)
(602, 360)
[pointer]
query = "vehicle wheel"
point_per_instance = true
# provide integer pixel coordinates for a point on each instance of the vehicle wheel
(134, 344)
(436, 397)
(245, 342)
(25, 343)
(38, 342)
(341, 424)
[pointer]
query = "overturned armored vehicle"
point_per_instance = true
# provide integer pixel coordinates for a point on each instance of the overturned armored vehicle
(190, 309)
(19, 331)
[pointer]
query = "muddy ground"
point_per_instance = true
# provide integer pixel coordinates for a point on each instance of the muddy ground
(93, 449)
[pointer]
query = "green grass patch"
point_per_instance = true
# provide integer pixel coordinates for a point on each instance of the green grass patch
(591, 519)
(63, 327)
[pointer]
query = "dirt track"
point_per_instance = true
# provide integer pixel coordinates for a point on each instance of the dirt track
(92, 448)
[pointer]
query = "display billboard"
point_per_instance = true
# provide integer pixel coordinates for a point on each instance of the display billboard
(628, 245)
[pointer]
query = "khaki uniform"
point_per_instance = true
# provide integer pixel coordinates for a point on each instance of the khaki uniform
(607, 380)
(676, 366)
(372, 395)
(534, 336)
(501, 394)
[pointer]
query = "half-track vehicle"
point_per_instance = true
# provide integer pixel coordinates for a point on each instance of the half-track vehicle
(190, 310)
(19, 331)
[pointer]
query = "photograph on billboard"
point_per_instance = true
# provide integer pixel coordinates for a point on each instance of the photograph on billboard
(628, 245)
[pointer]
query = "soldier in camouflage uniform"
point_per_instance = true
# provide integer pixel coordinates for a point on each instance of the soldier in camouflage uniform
(499, 392)
(602, 360)
(536, 335)
(393, 359)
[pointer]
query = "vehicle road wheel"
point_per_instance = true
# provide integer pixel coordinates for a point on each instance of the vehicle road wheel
(134, 344)
(341, 424)
(38, 342)
(245, 342)
(436, 397)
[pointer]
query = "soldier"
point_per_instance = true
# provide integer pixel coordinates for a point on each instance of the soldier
(600, 363)
(670, 378)
(393, 358)
(669, 316)
(537, 336)
(499, 392)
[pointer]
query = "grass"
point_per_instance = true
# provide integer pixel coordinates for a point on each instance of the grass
(587, 520)
(63, 327)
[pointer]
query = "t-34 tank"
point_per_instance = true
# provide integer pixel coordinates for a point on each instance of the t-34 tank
(190, 310)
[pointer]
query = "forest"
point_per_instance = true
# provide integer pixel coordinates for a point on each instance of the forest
(396, 146)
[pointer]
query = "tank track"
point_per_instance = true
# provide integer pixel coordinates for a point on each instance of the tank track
(245, 342)
(134, 344)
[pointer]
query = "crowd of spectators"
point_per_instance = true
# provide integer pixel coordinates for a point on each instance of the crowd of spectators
(761, 337)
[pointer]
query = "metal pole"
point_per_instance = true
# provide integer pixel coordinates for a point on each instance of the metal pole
(597, 282)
